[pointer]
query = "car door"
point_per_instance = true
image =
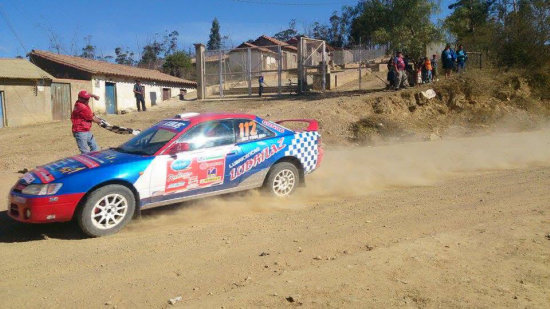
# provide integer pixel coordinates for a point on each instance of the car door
(199, 164)
(258, 145)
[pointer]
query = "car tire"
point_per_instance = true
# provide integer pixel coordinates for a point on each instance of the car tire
(282, 179)
(106, 210)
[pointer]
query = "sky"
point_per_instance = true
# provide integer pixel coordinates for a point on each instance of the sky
(29, 24)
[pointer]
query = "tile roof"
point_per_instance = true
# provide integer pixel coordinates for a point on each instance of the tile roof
(274, 41)
(110, 69)
(253, 47)
(21, 69)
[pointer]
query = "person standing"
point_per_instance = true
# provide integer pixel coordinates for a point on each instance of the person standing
(447, 56)
(428, 69)
(400, 73)
(461, 58)
(260, 85)
(139, 93)
(82, 118)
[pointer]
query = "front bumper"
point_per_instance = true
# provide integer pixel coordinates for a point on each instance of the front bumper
(42, 209)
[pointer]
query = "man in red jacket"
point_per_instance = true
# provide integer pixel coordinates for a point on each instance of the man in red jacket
(82, 118)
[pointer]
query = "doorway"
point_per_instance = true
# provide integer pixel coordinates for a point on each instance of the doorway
(166, 94)
(61, 101)
(110, 98)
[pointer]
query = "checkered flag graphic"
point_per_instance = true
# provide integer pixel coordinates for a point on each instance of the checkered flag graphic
(304, 147)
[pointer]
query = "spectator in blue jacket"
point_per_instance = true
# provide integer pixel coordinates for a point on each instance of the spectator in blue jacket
(448, 59)
(461, 58)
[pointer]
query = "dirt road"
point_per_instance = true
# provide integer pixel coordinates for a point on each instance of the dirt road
(453, 223)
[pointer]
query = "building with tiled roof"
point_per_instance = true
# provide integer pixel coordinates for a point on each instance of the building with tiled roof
(24, 93)
(289, 53)
(112, 82)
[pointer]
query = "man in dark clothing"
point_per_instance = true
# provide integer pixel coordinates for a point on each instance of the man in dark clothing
(82, 118)
(260, 85)
(139, 94)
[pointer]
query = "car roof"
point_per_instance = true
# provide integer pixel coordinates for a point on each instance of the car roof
(198, 117)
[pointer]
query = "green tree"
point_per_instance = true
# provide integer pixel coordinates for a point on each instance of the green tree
(88, 51)
(401, 25)
(150, 55)
(124, 57)
(215, 39)
(171, 42)
(178, 64)
(470, 23)
(288, 33)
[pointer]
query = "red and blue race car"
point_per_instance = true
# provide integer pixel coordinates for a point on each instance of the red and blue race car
(187, 157)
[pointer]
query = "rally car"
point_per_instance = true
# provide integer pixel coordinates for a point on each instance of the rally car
(186, 157)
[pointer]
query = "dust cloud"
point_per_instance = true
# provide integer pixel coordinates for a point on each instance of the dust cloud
(360, 171)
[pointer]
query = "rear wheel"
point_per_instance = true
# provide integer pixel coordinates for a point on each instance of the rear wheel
(282, 180)
(106, 210)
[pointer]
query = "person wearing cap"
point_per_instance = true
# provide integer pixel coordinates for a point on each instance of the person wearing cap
(82, 118)
(138, 93)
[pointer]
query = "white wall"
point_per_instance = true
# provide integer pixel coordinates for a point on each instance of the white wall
(125, 98)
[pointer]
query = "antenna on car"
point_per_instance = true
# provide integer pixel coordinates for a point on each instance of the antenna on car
(186, 115)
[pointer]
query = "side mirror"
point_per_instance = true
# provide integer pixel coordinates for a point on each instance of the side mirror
(177, 148)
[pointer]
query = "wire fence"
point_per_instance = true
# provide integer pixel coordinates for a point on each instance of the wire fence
(308, 65)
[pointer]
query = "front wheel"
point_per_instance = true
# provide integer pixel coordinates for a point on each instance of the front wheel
(282, 179)
(106, 210)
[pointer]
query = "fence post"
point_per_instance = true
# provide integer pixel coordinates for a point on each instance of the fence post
(324, 63)
(199, 63)
(360, 61)
(221, 72)
(300, 65)
(279, 69)
(249, 71)
(480, 66)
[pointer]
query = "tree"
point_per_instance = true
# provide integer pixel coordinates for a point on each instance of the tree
(319, 31)
(401, 25)
(150, 55)
(124, 57)
(178, 64)
(287, 34)
(215, 40)
(88, 51)
(470, 22)
(170, 43)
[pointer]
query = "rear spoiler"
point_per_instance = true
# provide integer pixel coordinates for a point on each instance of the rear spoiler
(313, 125)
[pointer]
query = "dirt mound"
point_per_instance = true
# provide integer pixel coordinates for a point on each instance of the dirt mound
(473, 102)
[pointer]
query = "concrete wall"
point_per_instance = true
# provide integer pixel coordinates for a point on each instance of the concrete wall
(335, 80)
(125, 99)
(26, 102)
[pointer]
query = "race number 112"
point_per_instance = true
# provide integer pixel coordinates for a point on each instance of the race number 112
(247, 129)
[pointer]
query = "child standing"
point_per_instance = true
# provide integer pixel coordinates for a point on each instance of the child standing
(428, 69)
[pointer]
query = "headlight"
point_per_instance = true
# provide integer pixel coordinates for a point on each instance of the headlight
(44, 189)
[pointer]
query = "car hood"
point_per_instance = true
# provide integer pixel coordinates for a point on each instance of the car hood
(78, 164)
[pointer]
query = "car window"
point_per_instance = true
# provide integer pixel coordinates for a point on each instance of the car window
(209, 134)
(248, 130)
(148, 142)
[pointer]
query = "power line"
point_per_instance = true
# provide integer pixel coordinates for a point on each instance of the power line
(6, 19)
(310, 3)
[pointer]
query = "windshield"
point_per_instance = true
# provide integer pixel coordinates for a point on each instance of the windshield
(151, 140)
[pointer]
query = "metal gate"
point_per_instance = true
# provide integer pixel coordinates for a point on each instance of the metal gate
(61, 101)
(312, 65)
